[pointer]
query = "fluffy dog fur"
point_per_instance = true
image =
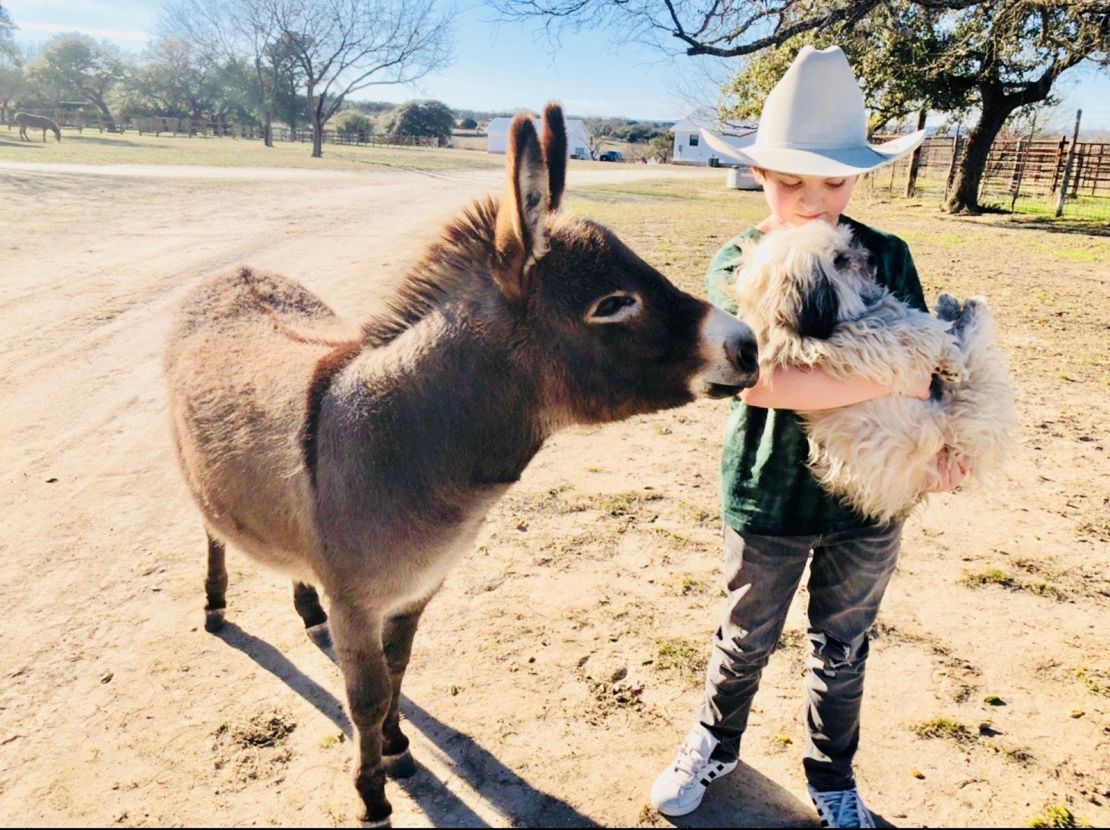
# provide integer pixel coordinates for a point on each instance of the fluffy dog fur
(812, 300)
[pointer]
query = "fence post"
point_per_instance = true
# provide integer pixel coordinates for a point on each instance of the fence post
(1080, 158)
(1098, 170)
(915, 159)
(952, 164)
(1067, 165)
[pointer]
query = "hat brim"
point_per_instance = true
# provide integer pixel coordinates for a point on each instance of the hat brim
(850, 161)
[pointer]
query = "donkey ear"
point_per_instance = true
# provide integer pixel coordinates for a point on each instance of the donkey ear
(555, 153)
(519, 240)
(820, 308)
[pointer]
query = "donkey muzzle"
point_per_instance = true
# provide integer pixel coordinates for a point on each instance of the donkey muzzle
(731, 355)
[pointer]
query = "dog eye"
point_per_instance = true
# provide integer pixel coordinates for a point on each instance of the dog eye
(841, 262)
(614, 308)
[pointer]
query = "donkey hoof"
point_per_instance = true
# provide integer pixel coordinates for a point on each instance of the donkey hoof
(320, 635)
(213, 620)
(399, 766)
(378, 815)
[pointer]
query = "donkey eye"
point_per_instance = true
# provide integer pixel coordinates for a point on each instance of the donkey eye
(614, 308)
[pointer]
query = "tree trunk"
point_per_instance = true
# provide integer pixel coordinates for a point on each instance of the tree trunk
(268, 129)
(996, 108)
(317, 136)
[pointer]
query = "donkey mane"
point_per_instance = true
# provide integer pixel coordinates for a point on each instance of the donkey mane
(456, 259)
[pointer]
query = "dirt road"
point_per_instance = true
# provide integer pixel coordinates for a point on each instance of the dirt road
(557, 670)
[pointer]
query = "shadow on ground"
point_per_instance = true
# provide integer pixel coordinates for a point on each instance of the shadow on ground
(513, 797)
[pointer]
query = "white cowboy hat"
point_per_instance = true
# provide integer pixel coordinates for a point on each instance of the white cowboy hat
(813, 123)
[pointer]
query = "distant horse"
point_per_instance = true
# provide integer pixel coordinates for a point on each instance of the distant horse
(26, 119)
(364, 459)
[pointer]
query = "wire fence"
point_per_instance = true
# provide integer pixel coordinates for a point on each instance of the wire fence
(1023, 176)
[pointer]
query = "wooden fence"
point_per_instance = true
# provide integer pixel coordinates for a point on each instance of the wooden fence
(161, 125)
(1021, 175)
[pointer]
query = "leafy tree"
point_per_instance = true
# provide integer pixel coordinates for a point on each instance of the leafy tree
(421, 119)
(991, 56)
(244, 34)
(12, 82)
(178, 79)
(7, 42)
(77, 66)
(468, 124)
(661, 146)
(353, 123)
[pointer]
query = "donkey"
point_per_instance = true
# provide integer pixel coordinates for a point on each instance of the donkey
(364, 459)
(26, 119)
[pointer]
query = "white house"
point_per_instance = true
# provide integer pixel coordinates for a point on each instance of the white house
(691, 147)
(578, 139)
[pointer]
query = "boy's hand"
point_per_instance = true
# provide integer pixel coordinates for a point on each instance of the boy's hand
(952, 470)
(920, 390)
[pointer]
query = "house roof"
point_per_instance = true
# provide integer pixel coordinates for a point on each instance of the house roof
(705, 118)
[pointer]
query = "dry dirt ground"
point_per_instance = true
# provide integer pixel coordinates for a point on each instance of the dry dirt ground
(558, 669)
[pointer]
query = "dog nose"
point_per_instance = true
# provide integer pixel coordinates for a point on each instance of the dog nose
(743, 353)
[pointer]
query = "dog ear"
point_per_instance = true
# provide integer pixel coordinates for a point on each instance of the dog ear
(820, 309)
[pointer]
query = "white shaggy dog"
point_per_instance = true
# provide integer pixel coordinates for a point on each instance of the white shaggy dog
(811, 299)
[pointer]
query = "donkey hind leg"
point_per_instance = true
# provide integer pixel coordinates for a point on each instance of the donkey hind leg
(307, 603)
(358, 644)
(397, 642)
(215, 586)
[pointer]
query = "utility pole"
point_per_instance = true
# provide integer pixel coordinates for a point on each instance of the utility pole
(1067, 165)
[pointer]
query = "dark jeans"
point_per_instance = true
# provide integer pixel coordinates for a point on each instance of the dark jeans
(848, 576)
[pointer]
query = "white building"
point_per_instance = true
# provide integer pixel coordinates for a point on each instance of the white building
(691, 147)
(578, 139)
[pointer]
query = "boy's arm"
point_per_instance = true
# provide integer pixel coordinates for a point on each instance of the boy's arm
(812, 389)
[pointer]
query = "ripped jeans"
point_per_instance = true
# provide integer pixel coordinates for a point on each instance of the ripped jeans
(848, 576)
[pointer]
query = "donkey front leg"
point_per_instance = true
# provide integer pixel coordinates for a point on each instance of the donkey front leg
(357, 634)
(307, 603)
(215, 586)
(397, 641)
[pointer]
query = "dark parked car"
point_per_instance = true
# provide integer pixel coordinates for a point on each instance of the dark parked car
(611, 155)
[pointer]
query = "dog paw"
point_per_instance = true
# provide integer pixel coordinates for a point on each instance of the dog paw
(948, 307)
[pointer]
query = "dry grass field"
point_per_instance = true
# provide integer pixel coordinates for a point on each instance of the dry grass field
(559, 667)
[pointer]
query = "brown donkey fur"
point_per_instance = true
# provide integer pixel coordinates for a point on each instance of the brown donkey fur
(363, 460)
(40, 122)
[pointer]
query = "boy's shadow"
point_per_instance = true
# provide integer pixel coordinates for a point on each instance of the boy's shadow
(747, 798)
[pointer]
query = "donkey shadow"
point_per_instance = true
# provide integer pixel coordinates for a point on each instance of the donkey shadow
(507, 792)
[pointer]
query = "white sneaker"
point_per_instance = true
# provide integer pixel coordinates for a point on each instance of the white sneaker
(680, 788)
(841, 808)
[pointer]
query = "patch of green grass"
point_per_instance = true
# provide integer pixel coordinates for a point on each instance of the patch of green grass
(623, 504)
(680, 655)
(1057, 815)
(695, 514)
(688, 585)
(994, 700)
(331, 740)
(991, 577)
(941, 727)
(1094, 681)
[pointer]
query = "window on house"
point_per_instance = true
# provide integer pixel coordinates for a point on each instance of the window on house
(693, 141)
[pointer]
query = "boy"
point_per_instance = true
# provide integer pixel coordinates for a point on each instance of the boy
(809, 150)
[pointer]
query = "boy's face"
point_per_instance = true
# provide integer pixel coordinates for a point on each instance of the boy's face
(795, 199)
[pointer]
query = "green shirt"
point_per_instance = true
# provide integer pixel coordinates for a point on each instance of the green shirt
(766, 487)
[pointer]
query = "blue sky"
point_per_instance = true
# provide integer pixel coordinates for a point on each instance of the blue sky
(509, 66)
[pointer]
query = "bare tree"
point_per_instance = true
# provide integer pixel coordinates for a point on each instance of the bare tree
(236, 30)
(343, 46)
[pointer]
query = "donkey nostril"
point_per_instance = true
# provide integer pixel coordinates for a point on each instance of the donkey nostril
(749, 356)
(743, 354)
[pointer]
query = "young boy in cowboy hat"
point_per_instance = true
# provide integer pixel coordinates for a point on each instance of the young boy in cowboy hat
(810, 148)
